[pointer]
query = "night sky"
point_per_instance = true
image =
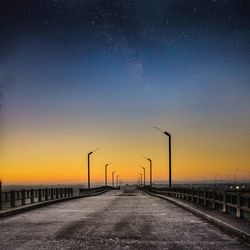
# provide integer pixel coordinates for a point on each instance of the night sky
(76, 75)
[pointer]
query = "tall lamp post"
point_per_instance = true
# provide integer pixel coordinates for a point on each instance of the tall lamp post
(139, 181)
(89, 165)
(169, 155)
(113, 178)
(150, 165)
(141, 178)
(144, 172)
(117, 180)
(106, 174)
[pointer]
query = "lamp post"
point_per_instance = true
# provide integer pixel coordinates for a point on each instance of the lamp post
(141, 178)
(106, 174)
(117, 180)
(150, 165)
(169, 155)
(144, 172)
(89, 165)
(113, 178)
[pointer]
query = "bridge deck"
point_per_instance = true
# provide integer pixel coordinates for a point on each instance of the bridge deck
(126, 219)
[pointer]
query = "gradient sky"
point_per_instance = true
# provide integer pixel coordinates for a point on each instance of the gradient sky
(76, 75)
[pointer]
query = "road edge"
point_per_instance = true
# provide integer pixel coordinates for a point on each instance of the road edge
(18, 210)
(222, 225)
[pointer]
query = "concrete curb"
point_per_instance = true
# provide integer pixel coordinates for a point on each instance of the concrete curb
(222, 225)
(30, 207)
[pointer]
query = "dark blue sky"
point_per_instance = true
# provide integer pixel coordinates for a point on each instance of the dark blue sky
(135, 46)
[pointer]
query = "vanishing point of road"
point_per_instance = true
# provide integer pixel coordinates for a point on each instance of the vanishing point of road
(124, 219)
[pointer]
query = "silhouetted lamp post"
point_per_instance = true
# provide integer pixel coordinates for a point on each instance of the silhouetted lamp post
(106, 174)
(169, 153)
(141, 178)
(117, 180)
(113, 178)
(144, 172)
(150, 165)
(89, 165)
(139, 181)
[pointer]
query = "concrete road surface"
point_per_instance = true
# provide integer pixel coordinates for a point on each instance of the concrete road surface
(125, 219)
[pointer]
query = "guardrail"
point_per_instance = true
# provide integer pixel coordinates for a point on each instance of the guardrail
(227, 201)
(16, 198)
(86, 191)
(23, 197)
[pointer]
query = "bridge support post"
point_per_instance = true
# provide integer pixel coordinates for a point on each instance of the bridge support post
(192, 195)
(198, 196)
(238, 206)
(224, 210)
(51, 193)
(32, 195)
(39, 195)
(213, 199)
(23, 197)
(12, 198)
(205, 198)
(46, 194)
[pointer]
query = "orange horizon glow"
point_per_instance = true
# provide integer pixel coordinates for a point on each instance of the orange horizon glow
(59, 156)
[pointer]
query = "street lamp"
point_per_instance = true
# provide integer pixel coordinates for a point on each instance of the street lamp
(150, 161)
(169, 153)
(141, 178)
(106, 173)
(89, 165)
(144, 172)
(113, 178)
(117, 180)
(139, 181)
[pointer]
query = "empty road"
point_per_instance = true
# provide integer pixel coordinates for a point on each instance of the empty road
(124, 219)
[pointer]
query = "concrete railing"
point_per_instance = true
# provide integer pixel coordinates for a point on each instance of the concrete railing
(86, 191)
(23, 197)
(17, 198)
(227, 201)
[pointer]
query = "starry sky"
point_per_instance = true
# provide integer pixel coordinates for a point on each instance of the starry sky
(81, 74)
